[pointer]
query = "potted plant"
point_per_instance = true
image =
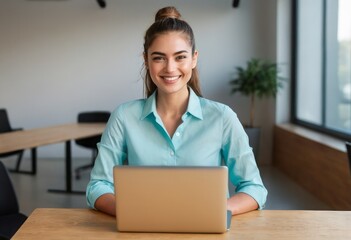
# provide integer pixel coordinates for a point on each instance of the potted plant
(259, 79)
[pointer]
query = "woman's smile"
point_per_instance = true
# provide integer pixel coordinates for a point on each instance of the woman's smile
(170, 79)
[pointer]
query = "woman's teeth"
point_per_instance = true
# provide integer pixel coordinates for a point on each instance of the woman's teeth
(171, 78)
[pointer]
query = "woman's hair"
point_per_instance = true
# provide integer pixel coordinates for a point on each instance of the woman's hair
(168, 19)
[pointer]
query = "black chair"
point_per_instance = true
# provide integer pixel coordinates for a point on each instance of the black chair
(90, 142)
(10, 217)
(4, 128)
(348, 148)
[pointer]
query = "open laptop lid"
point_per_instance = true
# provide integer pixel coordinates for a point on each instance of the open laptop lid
(171, 199)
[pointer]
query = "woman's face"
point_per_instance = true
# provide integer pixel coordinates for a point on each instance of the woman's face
(170, 62)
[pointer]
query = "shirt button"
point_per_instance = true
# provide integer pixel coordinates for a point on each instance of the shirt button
(172, 153)
(177, 134)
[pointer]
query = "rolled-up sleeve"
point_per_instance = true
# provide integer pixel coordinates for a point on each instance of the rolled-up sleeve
(111, 152)
(238, 156)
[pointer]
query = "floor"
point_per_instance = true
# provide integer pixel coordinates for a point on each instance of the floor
(32, 190)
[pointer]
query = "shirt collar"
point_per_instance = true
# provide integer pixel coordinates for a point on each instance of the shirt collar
(194, 106)
(150, 106)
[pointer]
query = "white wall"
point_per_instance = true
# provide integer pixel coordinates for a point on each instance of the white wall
(61, 57)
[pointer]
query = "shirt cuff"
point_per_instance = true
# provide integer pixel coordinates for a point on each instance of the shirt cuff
(258, 193)
(94, 192)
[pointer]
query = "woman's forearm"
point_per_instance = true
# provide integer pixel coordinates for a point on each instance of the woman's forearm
(241, 203)
(106, 203)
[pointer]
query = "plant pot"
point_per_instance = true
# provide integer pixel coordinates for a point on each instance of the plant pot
(254, 139)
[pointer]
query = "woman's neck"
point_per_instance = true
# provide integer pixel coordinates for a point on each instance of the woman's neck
(171, 108)
(172, 104)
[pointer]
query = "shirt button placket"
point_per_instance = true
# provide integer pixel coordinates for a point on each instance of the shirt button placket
(176, 142)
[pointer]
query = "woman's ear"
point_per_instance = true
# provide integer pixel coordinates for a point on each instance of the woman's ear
(194, 60)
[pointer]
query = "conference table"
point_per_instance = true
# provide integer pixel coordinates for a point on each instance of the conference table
(58, 223)
(33, 138)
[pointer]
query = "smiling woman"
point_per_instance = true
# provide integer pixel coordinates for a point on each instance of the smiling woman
(174, 125)
(168, 21)
(170, 63)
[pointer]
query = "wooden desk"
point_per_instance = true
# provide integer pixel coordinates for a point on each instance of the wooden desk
(267, 224)
(30, 139)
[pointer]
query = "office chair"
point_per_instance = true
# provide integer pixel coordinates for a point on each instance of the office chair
(348, 148)
(90, 142)
(10, 217)
(4, 128)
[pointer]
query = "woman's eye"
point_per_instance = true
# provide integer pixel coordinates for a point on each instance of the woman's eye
(158, 58)
(181, 57)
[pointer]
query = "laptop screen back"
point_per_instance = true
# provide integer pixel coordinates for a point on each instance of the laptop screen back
(171, 199)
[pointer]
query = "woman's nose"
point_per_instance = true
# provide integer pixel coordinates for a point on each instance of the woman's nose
(170, 65)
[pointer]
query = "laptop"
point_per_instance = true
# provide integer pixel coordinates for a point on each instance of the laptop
(171, 199)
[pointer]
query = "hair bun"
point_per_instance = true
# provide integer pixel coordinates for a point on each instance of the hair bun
(167, 12)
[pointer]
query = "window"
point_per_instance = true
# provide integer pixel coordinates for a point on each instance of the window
(322, 65)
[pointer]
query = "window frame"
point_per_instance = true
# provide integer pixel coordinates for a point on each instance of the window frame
(294, 67)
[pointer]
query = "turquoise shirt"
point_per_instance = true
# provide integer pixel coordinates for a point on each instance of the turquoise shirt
(209, 135)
